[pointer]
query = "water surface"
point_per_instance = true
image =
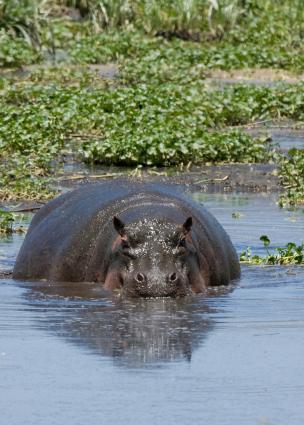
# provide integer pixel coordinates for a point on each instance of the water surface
(74, 356)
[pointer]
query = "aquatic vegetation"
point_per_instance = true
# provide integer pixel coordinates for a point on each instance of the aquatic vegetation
(53, 112)
(126, 125)
(21, 18)
(291, 253)
(10, 223)
(173, 144)
(141, 56)
(223, 34)
(159, 109)
(6, 222)
(292, 176)
(18, 180)
(231, 35)
(15, 52)
(193, 102)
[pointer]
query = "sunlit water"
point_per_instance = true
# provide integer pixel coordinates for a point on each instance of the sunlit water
(73, 356)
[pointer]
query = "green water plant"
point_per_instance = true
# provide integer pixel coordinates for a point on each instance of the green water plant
(49, 114)
(291, 253)
(16, 52)
(10, 223)
(172, 145)
(6, 222)
(292, 176)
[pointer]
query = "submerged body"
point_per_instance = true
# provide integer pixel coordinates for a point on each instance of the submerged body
(144, 239)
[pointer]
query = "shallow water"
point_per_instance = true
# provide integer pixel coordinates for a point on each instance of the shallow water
(284, 138)
(288, 140)
(77, 357)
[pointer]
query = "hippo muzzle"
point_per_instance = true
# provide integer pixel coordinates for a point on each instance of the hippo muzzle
(154, 284)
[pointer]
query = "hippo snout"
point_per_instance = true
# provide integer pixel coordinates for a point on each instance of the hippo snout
(142, 284)
(174, 277)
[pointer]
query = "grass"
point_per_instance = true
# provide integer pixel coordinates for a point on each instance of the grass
(230, 33)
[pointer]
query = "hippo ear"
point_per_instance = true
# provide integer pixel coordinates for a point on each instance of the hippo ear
(187, 225)
(119, 226)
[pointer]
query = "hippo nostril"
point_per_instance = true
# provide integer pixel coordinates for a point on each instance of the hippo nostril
(140, 277)
(173, 277)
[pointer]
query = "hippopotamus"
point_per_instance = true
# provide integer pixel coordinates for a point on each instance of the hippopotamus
(137, 239)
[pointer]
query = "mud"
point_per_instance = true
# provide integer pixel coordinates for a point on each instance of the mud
(259, 77)
(213, 178)
(108, 70)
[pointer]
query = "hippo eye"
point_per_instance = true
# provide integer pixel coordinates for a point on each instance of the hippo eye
(125, 244)
(127, 252)
(182, 243)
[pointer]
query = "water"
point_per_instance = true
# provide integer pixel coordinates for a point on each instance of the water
(284, 138)
(236, 357)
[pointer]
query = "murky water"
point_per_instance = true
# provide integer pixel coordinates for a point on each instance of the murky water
(288, 140)
(285, 138)
(236, 357)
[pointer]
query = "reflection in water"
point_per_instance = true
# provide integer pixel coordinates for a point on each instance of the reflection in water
(134, 333)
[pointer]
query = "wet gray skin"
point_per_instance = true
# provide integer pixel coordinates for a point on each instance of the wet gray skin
(156, 260)
(136, 238)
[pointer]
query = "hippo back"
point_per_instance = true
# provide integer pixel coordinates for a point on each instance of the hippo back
(70, 238)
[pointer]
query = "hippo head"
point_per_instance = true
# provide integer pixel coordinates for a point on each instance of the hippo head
(153, 258)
